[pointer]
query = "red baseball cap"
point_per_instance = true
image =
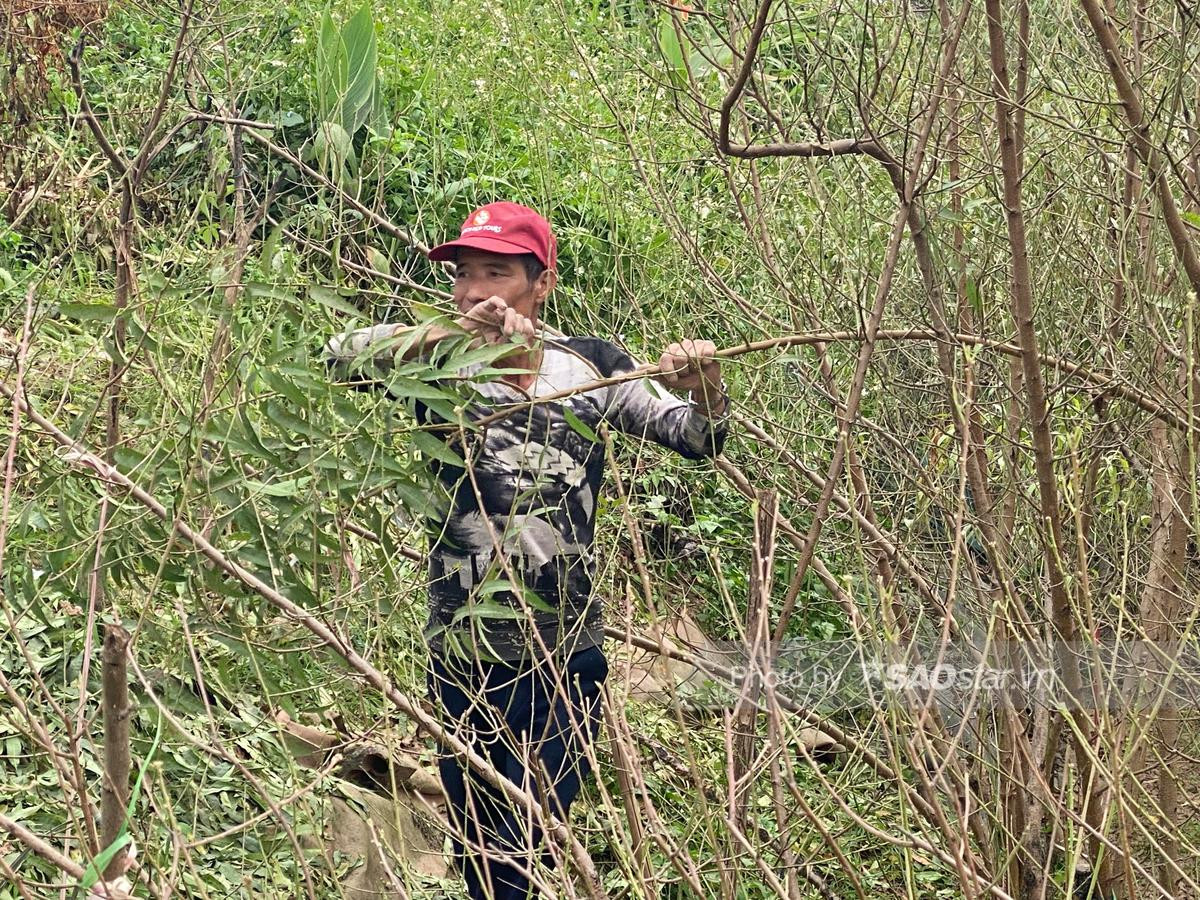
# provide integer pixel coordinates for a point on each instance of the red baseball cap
(503, 228)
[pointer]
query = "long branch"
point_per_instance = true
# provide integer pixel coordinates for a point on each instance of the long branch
(846, 419)
(1108, 383)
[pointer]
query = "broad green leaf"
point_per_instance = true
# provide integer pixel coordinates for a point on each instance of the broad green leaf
(88, 312)
(304, 379)
(435, 448)
(275, 292)
(974, 298)
(411, 495)
(490, 372)
(128, 459)
(378, 260)
(486, 354)
(287, 488)
(283, 417)
(139, 336)
(454, 188)
(668, 43)
(219, 481)
(136, 794)
(97, 866)
(447, 411)
(489, 588)
(333, 140)
(358, 38)
(419, 390)
(425, 312)
(495, 586)
(300, 593)
(250, 433)
(331, 67)
(577, 424)
(224, 431)
(277, 382)
(487, 609)
(327, 297)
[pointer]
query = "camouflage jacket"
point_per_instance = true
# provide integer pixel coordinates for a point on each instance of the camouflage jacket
(526, 509)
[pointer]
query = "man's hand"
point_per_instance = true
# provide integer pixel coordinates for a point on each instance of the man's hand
(494, 320)
(691, 365)
(484, 319)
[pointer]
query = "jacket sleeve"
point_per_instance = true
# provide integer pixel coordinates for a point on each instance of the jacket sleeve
(341, 352)
(674, 423)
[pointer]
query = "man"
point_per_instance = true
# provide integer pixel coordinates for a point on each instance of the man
(515, 635)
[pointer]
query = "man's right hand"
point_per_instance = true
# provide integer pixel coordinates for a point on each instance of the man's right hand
(494, 321)
(484, 319)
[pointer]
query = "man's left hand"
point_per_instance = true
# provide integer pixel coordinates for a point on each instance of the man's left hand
(693, 366)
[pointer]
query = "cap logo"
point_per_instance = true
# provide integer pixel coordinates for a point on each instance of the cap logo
(481, 217)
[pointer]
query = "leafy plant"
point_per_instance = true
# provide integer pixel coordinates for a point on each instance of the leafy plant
(349, 97)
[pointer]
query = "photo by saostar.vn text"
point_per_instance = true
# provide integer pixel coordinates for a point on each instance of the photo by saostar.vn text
(896, 676)
(846, 673)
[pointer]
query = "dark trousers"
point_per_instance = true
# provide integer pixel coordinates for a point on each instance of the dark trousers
(531, 727)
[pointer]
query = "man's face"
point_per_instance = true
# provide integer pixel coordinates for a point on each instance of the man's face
(480, 275)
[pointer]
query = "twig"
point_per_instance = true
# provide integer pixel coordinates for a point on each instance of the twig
(846, 419)
(381, 221)
(41, 847)
(145, 154)
(115, 789)
(804, 149)
(119, 163)
(1151, 155)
